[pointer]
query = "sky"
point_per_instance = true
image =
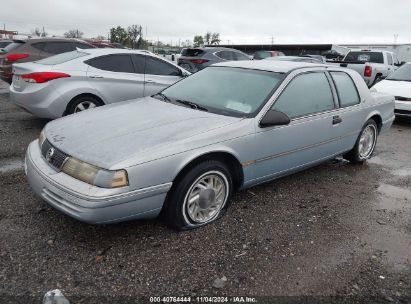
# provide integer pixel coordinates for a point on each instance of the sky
(237, 21)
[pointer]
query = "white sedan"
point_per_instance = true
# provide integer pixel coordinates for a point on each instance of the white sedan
(75, 81)
(398, 84)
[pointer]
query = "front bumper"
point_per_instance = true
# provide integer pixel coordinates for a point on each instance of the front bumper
(88, 203)
(402, 108)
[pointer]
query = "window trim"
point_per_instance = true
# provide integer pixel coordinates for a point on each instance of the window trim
(103, 56)
(338, 94)
(180, 72)
(310, 114)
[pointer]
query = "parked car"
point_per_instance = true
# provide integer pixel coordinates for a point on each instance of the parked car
(79, 80)
(266, 54)
(4, 43)
(35, 49)
(184, 151)
(373, 65)
(196, 59)
(398, 84)
(332, 55)
(295, 59)
(318, 57)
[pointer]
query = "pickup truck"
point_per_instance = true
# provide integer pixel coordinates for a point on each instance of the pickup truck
(372, 65)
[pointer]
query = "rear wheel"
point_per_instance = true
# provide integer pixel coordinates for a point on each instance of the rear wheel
(200, 197)
(365, 145)
(82, 103)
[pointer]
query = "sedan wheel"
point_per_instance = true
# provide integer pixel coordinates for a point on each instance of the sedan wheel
(206, 197)
(365, 145)
(199, 196)
(84, 105)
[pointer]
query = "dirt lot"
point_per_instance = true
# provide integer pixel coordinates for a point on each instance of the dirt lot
(337, 232)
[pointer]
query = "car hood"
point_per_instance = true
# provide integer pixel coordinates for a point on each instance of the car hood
(396, 88)
(148, 128)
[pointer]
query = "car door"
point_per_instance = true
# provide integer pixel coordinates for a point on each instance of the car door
(159, 74)
(350, 113)
(115, 78)
(310, 137)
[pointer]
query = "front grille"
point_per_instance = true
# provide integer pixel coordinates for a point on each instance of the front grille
(53, 156)
(402, 112)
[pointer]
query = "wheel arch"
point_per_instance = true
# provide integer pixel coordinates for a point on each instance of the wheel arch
(376, 116)
(226, 157)
(73, 99)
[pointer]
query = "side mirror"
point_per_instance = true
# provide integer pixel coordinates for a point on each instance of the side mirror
(274, 118)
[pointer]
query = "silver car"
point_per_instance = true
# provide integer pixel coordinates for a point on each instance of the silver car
(76, 81)
(184, 151)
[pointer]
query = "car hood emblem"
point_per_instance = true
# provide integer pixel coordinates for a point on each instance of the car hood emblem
(50, 154)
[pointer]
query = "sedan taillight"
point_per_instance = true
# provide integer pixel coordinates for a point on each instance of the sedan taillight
(41, 77)
(15, 57)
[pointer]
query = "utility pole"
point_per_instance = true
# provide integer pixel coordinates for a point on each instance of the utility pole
(395, 38)
(272, 39)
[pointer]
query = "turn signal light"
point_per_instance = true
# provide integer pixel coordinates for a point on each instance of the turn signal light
(41, 77)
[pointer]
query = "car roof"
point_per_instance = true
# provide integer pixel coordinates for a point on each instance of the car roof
(109, 51)
(269, 65)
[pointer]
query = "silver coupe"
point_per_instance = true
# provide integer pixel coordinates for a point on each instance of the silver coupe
(183, 152)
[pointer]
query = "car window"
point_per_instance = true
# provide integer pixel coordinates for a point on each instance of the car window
(240, 56)
(12, 46)
(82, 46)
(306, 94)
(39, 45)
(346, 90)
(395, 59)
(365, 56)
(389, 59)
(139, 63)
(61, 58)
(227, 55)
(402, 74)
(113, 63)
(156, 66)
(58, 47)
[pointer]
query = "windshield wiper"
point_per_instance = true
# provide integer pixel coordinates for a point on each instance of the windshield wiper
(192, 105)
(164, 97)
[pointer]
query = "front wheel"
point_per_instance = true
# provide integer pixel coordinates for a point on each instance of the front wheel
(199, 197)
(365, 145)
(82, 103)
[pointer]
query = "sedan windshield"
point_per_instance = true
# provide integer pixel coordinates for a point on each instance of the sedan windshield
(228, 91)
(402, 74)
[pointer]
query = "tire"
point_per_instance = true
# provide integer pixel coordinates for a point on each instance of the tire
(82, 103)
(365, 144)
(181, 214)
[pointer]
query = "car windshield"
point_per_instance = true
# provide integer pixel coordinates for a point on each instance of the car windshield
(227, 91)
(61, 58)
(12, 46)
(402, 74)
(375, 57)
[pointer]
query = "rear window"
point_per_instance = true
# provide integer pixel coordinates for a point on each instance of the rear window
(346, 89)
(61, 58)
(12, 46)
(375, 57)
(192, 52)
(58, 47)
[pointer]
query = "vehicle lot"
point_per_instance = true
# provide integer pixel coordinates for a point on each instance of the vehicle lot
(337, 229)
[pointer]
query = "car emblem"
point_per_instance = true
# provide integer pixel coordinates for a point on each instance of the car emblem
(50, 154)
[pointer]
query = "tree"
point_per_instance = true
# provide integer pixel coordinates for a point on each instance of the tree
(118, 35)
(74, 33)
(215, 39)
(39, 33)
(135, 35)
(198, 41)
(207, 38)
(100, 37)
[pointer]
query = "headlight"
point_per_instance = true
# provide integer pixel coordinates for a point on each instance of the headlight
(95, 176)
(42, 138)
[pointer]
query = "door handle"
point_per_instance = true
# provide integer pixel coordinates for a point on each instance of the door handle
(336, 120)
(96, 76)
(150, 81)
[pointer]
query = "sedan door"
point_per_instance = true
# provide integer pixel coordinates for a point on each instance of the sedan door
(312, 134)
(159, 74)
(115, 77)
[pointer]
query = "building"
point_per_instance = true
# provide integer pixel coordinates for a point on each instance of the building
(7, 34)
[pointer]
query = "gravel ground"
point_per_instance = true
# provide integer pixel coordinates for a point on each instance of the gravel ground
(337, 232)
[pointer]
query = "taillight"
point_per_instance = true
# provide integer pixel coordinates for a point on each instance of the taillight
(15, 57)
(368, 71)
(199, 61)
(41, 77)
